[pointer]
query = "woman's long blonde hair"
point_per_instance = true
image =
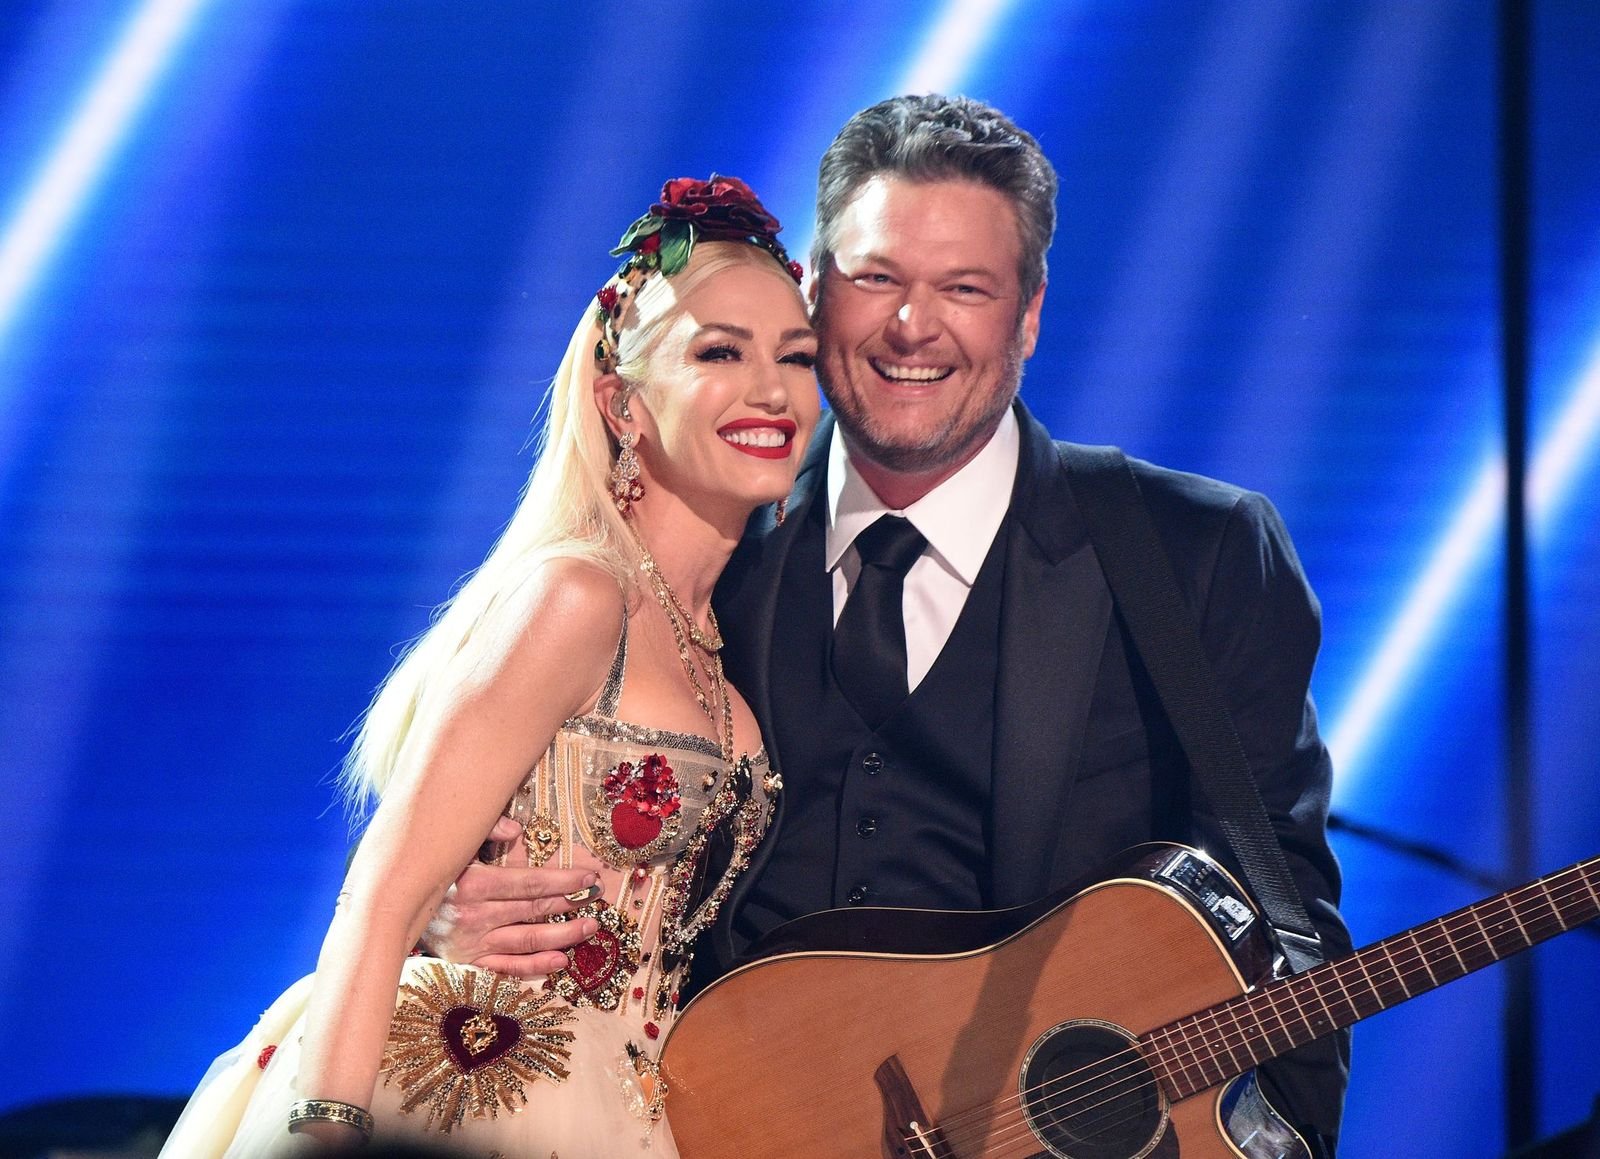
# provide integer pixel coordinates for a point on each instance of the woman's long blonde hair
(565, 511)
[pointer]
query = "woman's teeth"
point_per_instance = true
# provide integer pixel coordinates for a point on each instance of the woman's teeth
(756, 437)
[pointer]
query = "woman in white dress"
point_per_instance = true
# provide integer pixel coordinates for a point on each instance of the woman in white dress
(574, 685)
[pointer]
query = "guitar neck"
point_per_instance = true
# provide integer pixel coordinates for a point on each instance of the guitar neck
(1210, 1047)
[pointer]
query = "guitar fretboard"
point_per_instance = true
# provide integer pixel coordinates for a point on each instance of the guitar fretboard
(1198, 1052)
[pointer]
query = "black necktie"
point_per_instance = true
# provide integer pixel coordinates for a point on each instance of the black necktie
(869, 642)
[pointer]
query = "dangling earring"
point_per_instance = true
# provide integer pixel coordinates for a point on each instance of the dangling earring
(783, 510)
(626, 490)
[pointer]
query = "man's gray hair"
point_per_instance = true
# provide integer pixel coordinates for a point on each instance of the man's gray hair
(938, 138)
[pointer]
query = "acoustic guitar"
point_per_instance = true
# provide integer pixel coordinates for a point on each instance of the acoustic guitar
(1120, 1022)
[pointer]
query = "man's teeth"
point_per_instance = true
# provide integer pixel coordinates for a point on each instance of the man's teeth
(912, 373)
(756, 437)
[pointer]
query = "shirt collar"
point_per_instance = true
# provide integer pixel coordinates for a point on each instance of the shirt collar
(959, 517)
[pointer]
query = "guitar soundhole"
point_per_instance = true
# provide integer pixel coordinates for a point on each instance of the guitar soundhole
(1087, 1094)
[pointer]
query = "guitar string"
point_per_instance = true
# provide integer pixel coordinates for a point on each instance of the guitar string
(1215, 1013)
(1186, 1056)
(1012, 1125)
(1282, 992)
(1000, 1132)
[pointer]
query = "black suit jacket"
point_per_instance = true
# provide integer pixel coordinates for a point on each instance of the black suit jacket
(1085, 763)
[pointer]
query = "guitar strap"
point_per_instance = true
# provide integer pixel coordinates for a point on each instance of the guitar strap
(1146, 592)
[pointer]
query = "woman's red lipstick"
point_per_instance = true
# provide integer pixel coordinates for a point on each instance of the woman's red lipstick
(783, 427)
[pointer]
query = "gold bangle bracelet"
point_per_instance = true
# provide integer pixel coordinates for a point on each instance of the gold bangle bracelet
(330, 1111)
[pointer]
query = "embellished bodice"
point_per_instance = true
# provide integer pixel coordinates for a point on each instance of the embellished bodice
(673, 825)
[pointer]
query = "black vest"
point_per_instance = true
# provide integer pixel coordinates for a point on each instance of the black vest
(895, 817)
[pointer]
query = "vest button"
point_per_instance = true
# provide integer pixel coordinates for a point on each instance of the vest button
(866, 827)
(857, 895)
(872, 763)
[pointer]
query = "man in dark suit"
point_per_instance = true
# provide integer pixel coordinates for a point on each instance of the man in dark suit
(1022, 745)
(960, 717)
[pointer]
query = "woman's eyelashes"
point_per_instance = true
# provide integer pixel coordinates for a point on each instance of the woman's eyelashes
(728, 352)
(721, 352)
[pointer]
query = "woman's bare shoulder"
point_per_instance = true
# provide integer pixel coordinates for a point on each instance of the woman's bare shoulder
(561, 621)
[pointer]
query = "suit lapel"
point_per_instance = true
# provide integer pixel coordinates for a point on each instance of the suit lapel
(1054, 618)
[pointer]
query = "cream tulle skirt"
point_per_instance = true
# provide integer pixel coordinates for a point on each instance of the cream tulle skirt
(510, 1103)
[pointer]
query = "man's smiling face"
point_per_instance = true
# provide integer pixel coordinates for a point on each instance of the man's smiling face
(922, 330)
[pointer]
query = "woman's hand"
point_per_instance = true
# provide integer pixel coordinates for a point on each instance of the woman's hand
(494, 916)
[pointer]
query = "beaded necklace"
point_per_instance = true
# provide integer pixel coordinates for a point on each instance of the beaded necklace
(685, 632)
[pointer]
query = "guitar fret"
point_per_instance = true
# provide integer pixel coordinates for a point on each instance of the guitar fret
(1482, 931)
(1293, 992)
(1326, 1022)
(1544, 894)
(1450, 938)
(1211, 1046)
(1222, 1041)
(1320, 1021)
(1364, 975)
(1517, 934)
(1423, 958)
(1336, 972)
(1160, 1043)
(1271, 1005)
(1242, 1042)
(1206, 1055)
(1522, 929)
(1252, 1033)
(1395, 970)
(1493, 925)
(1191, 1060)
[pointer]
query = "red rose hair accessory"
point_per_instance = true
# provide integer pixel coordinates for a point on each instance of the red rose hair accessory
(690, 210)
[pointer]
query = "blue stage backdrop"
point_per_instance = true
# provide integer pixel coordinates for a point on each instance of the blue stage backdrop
(281, 282)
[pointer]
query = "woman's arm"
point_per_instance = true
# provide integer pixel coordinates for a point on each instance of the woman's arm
(464, 760)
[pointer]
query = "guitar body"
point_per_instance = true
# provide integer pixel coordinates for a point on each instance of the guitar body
(786, 1056)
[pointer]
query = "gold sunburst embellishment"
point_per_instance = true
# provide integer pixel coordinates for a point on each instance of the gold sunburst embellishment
(466, 1042)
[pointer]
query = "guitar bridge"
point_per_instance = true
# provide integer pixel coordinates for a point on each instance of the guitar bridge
(907, 1134)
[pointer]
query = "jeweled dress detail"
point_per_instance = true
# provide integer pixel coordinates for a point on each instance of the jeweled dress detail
(491, 1065)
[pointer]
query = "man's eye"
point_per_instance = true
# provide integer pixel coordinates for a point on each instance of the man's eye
(874, 280)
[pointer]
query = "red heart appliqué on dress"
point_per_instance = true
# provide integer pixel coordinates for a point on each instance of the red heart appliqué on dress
(476, 1038)
(595, 961)
(631, 828)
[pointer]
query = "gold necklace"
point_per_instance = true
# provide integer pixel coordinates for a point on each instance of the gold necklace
(685, 631)
(705, 641)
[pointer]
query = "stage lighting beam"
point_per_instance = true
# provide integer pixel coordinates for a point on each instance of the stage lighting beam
(1558, 461)
(941, 62)
(48, 210)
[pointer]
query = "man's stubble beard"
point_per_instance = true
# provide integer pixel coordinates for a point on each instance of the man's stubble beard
(954, 442)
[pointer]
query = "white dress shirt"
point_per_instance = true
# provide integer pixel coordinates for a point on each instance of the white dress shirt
(958, 518)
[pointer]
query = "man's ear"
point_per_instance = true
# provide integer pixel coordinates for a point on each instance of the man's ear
(814, 290)
(1030, 323)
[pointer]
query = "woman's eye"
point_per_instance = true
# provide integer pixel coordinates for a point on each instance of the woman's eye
(723, 353)
(805, 358)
